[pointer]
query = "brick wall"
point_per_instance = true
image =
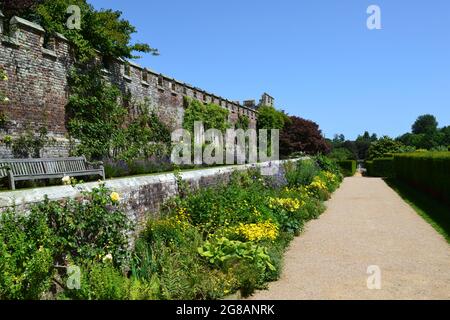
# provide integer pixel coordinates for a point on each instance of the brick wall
(38, 90)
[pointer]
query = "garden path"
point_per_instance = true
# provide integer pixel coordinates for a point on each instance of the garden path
(366, 224)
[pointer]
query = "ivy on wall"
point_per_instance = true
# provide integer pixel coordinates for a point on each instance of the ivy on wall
(3, 77)
(212, 116)
(97, 114)
(243, 122)
(98, 119)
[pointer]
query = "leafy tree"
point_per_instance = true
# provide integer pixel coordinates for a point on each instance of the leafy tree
(363, 143)
(300, 135)
(425, 124)
(18, 7)
(269, 118)
(102, 30)
(341, 154)
(338, 139)
(446, 136)
(384, 146)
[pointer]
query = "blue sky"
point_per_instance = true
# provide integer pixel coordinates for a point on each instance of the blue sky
(316, 57)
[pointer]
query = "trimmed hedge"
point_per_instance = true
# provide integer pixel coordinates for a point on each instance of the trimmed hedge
(369, 167)
(428, 171)
(348, 167)
(382, 167)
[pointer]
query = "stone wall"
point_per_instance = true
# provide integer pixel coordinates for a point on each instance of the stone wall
(142, 196)
(38, 89)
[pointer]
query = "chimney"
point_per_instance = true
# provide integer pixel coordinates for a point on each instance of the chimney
(250, 104)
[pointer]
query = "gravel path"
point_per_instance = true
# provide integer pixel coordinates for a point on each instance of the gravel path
(366, 224)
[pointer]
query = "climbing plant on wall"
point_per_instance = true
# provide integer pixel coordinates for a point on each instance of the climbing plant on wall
(94, 112)
(3, 77)
(212, 116)
(243, 122)
(144, 136)
(98, 119)
(96, 115)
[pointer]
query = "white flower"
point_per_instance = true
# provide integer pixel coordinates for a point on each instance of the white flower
(108, 258)
(6, 99)
(66, 180)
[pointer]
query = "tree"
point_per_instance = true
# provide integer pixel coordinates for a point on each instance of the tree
(19, 8)
(384, 146)
(300, 135)
(341, 154)
(363, 143)
(269, 118)
(426, 124)
(446, 136)
(103, 30)
(338, 139)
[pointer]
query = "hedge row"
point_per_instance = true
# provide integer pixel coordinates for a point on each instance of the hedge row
(429, 172)
(348, 167)
(381, 167)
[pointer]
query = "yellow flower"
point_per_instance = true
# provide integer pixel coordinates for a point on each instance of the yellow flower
(108, 258)
(115, 197)
(66, 180)
(287, 204)
(258, 231)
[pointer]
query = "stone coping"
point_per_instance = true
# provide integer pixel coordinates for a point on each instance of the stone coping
(121, 185)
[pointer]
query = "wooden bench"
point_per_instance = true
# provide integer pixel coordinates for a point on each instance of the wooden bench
(35, 169)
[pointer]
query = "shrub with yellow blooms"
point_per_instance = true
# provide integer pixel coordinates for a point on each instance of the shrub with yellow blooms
(318, 188)
(288, 204)
(258, 231)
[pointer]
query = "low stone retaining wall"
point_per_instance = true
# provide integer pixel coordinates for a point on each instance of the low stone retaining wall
(142, 196)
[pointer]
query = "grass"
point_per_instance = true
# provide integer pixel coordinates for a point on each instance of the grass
(431, 210)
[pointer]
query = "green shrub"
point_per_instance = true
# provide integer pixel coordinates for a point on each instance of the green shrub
(101, 281)
(428, 171)
(369, 168)
(348, 167)
(88, 228)
(329, 165)
(301, 173)
(81, 231)
(382, 167)
(208, 243)
(26, 264)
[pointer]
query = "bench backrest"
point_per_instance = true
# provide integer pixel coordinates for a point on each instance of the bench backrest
(26, 167)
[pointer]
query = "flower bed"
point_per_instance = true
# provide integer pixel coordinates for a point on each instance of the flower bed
(209, 244)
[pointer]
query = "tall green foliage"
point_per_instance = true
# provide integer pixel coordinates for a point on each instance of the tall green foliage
(103, 125)
(95, 116)
(102, 30)
(212, 116)
(243, 122)
(270, 118)
(385, 145)
(3, 77)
